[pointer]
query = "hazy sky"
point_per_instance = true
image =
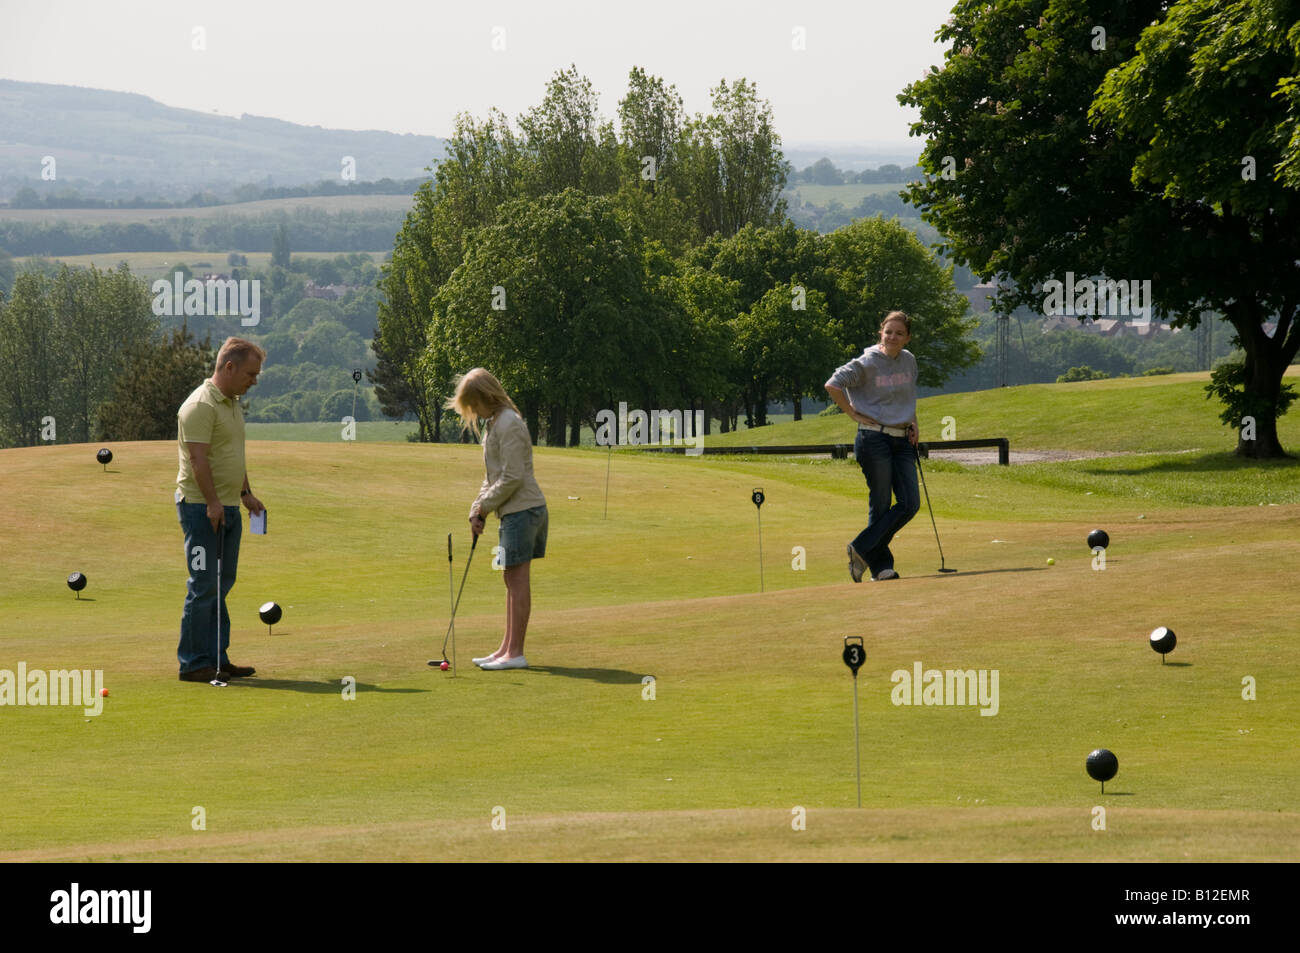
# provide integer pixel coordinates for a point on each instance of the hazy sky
(409, 67)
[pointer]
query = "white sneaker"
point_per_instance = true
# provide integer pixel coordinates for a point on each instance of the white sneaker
(517, 661)
(486, 658)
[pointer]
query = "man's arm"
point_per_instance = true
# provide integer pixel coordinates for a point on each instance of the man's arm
(203, 476)
(253, 503)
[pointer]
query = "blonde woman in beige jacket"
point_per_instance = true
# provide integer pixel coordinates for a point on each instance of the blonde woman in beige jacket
(510, 491)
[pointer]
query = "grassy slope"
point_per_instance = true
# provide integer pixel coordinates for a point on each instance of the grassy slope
(752, 712)
(1140, 414)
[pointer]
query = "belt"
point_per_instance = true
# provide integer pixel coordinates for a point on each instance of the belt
(889, 431)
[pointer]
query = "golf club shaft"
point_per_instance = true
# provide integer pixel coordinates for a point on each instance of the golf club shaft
(221, 549)
(609, 460)
(921, 471)
(456, 605)
(451, 590)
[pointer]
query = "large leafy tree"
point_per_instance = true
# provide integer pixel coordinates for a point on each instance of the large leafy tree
(732, 160)
(1207, 81)
(30, 386)
(154, 380)
(873, 267)
(61, 342)
(787, 346)
(1027, 186)
(552, 299)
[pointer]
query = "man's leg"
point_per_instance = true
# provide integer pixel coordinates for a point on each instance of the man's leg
(199, 617)
(233, 529)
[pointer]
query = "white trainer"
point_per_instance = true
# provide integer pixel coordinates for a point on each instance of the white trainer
(486, 658)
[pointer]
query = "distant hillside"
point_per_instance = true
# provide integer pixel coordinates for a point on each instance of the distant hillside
(117, 145)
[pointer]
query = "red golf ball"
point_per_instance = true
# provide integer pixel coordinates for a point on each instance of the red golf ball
(444, 666)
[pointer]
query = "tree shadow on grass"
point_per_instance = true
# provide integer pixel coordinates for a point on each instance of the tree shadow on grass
(1204, 463)
(315, 688)
(609, 676)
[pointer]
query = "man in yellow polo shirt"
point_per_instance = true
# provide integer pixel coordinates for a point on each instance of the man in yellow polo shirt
(209, 488)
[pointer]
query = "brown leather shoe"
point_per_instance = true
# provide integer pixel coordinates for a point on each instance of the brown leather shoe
(232, 670)
(199, 675)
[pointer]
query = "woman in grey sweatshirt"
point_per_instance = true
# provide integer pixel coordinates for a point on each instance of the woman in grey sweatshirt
(878, 390)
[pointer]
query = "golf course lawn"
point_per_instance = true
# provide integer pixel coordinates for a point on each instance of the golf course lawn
(746, 733)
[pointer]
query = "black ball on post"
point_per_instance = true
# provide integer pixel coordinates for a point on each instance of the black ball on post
(270, 614)
(1163, 641)
(1098, 537)
(1102, 765)
(77, 582)
(105, 456)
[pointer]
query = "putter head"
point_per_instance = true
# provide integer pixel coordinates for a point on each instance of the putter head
(947, 570)
(217, 682)
(437, 662)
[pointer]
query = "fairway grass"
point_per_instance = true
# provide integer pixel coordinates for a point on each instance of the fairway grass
(751, 714)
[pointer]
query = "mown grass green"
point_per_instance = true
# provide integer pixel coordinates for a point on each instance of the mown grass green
(752, 709)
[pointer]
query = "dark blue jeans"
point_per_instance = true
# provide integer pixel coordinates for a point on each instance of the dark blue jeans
(889, 464)
(198, 645)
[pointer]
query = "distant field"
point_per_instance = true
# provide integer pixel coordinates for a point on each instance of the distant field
(368, 431)
(156, 264)
(381, 431)
(325, 203)
(846, 195)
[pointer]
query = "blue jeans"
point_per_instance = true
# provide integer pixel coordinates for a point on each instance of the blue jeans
(889, 464)
(198, 644)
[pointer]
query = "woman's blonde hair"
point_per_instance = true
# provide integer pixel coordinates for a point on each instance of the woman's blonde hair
(478, 395)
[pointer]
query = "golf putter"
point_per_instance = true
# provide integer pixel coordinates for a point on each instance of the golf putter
(435, 663)
(920, 470)
(217, 680)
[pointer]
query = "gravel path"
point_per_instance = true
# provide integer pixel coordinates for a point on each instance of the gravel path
(975, 457)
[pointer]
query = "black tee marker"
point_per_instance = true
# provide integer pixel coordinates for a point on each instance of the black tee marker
(757, 498)
(854, 655)
(1102, 765)
(270, 613)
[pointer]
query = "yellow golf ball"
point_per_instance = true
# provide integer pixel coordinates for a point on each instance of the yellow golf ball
(1051, 562)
